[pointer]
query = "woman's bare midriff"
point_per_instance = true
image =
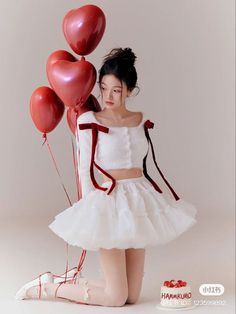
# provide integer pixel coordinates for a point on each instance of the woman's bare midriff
(119, 174)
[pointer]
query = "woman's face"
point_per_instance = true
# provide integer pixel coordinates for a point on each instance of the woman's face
(110, 89)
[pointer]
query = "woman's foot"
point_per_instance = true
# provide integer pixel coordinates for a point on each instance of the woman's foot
(34, 292)
(35, 289)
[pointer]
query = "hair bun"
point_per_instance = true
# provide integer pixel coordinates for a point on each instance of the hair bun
(124, 55)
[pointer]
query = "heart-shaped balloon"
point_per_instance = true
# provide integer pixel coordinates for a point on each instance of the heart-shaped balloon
(72, 81)
(90, 104)
(59, 55)
(83, 28)
(46, 109)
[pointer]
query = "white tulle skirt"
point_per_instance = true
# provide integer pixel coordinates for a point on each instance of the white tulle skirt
(134, 215)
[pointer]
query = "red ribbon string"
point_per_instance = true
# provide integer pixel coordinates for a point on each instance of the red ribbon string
(46, 140)
(95, 128)
(65, 271)
(81, 261)
(54, 161)
(147, 125)
(67, 246)
(40, 283)
(79, 268)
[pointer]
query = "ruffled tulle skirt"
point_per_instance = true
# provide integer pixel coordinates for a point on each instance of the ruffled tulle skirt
(134, 215)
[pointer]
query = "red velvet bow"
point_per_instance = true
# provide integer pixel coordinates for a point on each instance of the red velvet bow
(148, 124)
(95, 128)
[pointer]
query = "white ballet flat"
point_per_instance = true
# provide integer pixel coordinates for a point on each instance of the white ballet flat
(41, 279)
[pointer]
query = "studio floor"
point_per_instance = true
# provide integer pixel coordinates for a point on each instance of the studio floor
(29, 248)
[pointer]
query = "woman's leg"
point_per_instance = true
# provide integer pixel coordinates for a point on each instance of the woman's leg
(114, 270)
(99, 282)
(135, 259)
(135, 271)
(115, 291)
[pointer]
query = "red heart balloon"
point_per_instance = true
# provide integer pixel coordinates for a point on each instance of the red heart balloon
(83, 28)
(72, 81)
(46, 109)
(90, 104)
(59, 55)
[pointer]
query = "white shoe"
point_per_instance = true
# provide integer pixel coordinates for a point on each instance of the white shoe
(71, 274)
(41, 279)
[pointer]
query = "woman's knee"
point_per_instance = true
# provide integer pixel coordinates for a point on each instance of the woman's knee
(132, 299)
(116, 298)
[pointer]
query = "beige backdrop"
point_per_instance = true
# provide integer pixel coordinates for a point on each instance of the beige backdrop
(185, 71)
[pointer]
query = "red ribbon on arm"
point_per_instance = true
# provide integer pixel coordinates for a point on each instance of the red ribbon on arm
(147, 125)
(95, 128)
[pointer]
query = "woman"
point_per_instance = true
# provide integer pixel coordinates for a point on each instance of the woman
(126, 213)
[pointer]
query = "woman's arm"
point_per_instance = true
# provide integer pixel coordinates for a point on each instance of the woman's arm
(83, 151)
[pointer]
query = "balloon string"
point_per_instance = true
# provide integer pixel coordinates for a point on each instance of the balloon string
(76, 159)
(79, 268)
(67, 248)
(67, 260)
(67, 267)
(46, 141)
(82, 257)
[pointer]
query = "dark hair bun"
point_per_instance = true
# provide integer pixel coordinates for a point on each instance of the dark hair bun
(122, 55)
(120, 63)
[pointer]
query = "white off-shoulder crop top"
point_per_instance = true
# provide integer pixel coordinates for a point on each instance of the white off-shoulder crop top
(109, 147)
(121, 148)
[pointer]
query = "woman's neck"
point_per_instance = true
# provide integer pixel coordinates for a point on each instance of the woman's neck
(117, 113)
